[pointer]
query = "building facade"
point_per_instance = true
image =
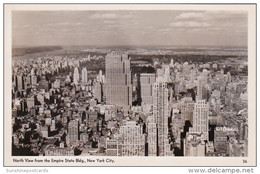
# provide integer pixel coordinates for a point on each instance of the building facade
(146, 83)
(133, 139)
(161, 112)
(118, 87)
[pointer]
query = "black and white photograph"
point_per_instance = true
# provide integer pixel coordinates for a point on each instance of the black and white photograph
(143, 82)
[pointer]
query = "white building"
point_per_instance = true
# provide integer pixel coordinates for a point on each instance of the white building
(200, 118)
(76, 75)
(133, 139)
(160, 113)
(84, 76)
(152, 136)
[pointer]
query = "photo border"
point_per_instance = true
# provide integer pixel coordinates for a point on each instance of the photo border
(146, 4)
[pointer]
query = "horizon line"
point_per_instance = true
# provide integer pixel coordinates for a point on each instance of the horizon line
(134, 46)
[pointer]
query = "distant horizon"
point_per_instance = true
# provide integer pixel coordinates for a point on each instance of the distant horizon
(133, 46)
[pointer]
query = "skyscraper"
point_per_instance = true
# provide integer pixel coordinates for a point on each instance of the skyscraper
(118, 88)
(152, 136)
(76, 75)
(200, 118)
(20, 82)
(73, 130)
(84, 76)
(160, 112)
(199, 88)
(146, 83)
(97, 91)
(33, 81)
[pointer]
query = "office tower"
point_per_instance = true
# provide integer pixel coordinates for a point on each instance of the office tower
(200, 118)
(118, 80)
(160, 112)
(199, 88)
(135, 82)
(32, 73)
(172, 62)
(76, 75)
(100, 73)
(152, 136)
(133, 139)
(98, 91)
(73, 131)
(92, 119)
(220, 140)
(146, 83)
(33, 80)
(100, 77)
(166, 72)
(20, 82)
(228, 77)
(205, 74)
(27, 82)
(187, 108)
(84, 76)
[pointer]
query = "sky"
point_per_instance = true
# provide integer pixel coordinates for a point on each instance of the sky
(130, 28)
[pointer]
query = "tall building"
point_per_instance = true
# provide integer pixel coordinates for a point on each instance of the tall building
(33, 81)
(20, 82)
(100, 77)
(199, 88)
(220, 140)
(84, 76)
(146, 83)
(160, 112)
(200, 118)
(98, 91)
(118, 88)
(73, 130)
(205, 75)
(152, 136)
(133, 139)
(187, 108)
(172, 62)
(228, 77)
(76, 75)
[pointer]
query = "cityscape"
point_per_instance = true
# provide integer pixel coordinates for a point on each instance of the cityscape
(130, 100)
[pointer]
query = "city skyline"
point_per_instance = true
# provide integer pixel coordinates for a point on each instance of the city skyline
(130, 28)
(179, 109)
